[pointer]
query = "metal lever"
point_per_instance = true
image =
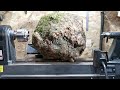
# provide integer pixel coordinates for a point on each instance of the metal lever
(105, 70)
(106, 53)
(107, 39)
(104, 64)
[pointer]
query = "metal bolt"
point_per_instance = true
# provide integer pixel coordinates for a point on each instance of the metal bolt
(10, 62)
(101, 69)
(114, 70)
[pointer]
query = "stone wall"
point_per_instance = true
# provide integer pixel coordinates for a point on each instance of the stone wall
(18, 19)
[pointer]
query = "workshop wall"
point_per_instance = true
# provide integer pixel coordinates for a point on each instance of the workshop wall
(18, 19)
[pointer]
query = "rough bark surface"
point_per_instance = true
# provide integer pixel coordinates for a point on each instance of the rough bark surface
(60, 36)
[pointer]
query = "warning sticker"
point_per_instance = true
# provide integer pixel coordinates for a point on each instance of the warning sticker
(1, 68)
(1, 56)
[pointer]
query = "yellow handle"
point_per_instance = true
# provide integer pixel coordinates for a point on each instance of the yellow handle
(1, 68)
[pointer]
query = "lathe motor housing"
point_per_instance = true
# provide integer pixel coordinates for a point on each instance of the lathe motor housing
(7, 46)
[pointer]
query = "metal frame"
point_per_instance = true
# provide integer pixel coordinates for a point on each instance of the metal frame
(80, 70)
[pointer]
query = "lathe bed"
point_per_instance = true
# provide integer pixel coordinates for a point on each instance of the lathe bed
(57, 70)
